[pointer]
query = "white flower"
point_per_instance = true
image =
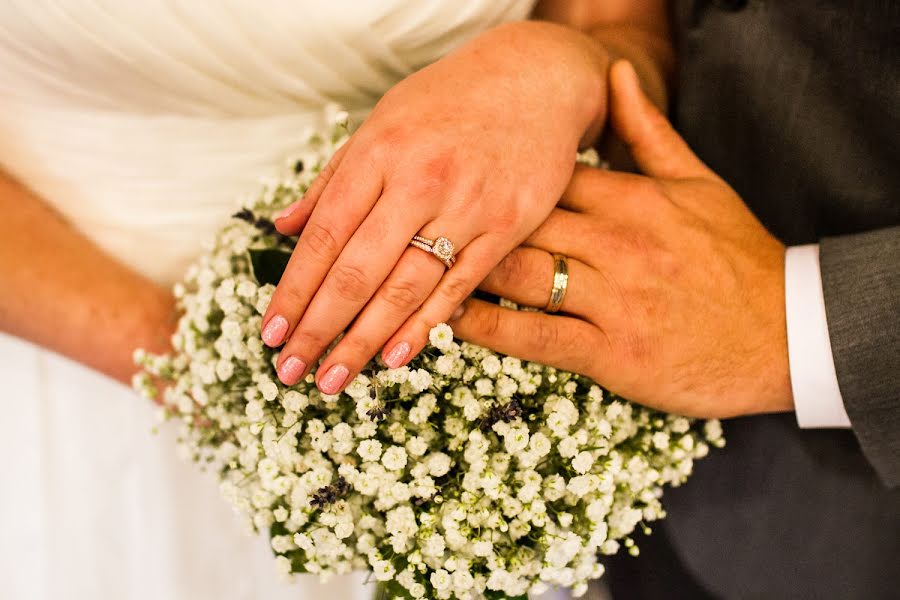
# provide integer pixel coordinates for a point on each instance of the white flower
(440, 579)
(484, 387)
(283, 567)
(254, 411)
(568, 447)
(343, 529)
(491, 365)
(394, 458)
(583, 462)
(224, 370)
(369, 450)
(416, 446)
(383, 570)
(294, 401)
(516, 439)
(267, 388)
(441, 337)
(420, 379)
(433, 546)
(438, 464)
(232, 330)
(359, 387)
(482, 548)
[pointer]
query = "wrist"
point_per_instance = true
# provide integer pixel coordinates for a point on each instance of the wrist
(773, 390)
(568, 67)
(152, 326)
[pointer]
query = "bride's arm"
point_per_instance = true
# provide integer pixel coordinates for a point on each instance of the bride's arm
(58, 290)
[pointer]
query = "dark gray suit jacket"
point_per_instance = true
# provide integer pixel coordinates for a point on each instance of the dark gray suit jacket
(796, 103)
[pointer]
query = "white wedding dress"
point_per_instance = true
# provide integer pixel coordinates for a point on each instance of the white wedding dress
(142, 122)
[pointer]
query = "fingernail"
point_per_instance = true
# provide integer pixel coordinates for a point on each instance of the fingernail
(289, 210)
(273, 332)
(458, 312)
(334, 379)
(291, 370)
(397, 355)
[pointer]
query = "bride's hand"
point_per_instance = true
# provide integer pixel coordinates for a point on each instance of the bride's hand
(676, 292)
(476, 148)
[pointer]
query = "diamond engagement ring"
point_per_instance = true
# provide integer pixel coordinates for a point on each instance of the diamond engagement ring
(560, 283)
(441, 248)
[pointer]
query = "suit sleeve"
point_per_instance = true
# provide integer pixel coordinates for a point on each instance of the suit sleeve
(861, 286)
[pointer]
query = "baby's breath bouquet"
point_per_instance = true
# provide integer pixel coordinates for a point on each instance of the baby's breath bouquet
(466, 474)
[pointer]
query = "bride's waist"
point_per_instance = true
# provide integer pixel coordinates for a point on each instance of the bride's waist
(149, 189)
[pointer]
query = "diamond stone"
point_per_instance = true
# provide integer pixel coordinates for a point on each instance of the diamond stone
(443, 248)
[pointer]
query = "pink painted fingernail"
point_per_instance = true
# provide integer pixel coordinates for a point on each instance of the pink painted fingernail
(289, 210)
(291, 370)
(334, 379)
(397, 355)
(273, 332)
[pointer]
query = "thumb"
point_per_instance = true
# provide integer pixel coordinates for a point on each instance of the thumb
(657, 149)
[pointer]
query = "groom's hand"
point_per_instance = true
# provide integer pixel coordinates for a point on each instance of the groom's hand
(676, 292)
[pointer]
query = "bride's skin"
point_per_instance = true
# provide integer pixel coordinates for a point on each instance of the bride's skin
(478, 148)
(60, 291)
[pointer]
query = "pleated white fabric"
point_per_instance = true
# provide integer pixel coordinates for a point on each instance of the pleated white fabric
(143, 122)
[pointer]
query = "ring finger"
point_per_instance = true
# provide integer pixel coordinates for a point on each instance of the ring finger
(333, 308)
(526, 277)
(408, 285)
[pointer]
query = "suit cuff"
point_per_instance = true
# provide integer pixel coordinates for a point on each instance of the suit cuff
(817, 396)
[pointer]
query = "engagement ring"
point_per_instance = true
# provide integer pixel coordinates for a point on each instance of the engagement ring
(441, 248)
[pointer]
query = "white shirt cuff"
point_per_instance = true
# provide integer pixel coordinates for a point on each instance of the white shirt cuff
(817, 397)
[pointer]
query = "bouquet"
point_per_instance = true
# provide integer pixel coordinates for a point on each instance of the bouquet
(465, 474)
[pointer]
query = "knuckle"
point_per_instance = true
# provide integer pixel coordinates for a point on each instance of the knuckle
(319, 242)
(506, 220)
(355, 349)
(288, 298)
(438, 167)
(403, 295)
(545, 334)
(454, 290)
(383, 143)
(512, 270)
(648, 188)
(327, 171)
(307, 342)
(490, 324)
(667, 264)
(636, 349)
(350, 282)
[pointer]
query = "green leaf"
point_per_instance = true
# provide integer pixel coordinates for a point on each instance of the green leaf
(391, 590)
(492, 595)
(268, 264)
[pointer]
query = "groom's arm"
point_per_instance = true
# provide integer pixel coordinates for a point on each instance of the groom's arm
(861, 288)
(638, 31)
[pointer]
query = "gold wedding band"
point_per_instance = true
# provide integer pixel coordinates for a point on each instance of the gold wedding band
(441, 248)
(560, 283)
